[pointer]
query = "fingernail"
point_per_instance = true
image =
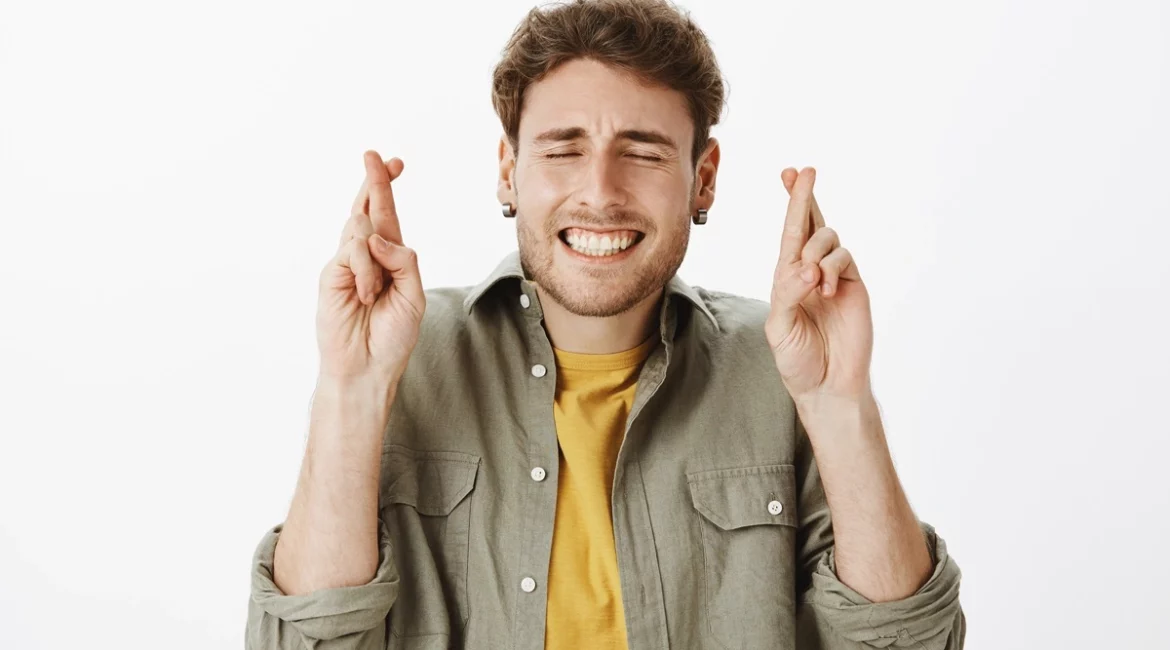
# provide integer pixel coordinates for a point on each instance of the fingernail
(379, 242)
(807, 275)
(825, 289)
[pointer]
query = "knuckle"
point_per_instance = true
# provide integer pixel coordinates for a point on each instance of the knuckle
(361, 224)
(351, 228)
(357, 251)
(837, 261)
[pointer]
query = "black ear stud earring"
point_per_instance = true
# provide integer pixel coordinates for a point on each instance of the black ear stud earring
(508, 210)
(700, 217)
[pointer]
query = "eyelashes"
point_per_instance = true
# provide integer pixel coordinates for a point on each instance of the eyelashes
(571, 155)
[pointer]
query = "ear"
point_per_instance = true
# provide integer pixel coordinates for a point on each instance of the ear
(705, 172)
(506, 189)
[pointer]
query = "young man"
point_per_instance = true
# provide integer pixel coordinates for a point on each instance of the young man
(584, 451)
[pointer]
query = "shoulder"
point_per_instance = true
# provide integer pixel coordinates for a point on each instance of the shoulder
(733, 312)
(447, 304)
(445, 317)
(736, 339)
(453, 329)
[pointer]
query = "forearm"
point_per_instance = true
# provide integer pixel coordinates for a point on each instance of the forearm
(330, 537)
(880, 551)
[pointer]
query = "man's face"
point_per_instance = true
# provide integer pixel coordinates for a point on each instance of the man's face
(604, 187)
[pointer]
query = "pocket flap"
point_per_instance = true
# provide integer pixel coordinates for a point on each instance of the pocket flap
(745, 496)
(432, 482)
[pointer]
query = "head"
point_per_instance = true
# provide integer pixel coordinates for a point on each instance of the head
(607, 107)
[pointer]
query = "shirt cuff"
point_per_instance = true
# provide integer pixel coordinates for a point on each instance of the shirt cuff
(326, 613)
(930, 618)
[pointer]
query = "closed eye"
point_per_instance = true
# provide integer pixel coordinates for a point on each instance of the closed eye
(560, 155)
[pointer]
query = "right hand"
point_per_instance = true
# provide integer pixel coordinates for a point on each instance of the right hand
(370, 303)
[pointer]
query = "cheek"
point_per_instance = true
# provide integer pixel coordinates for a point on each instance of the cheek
(665, 199)
(543, 188)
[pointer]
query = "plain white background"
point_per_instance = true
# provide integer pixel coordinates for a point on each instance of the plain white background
(174, 176)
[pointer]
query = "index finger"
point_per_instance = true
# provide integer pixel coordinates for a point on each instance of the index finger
(381, 199)
(797, 221)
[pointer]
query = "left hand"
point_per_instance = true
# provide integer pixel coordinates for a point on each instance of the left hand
(820, 328)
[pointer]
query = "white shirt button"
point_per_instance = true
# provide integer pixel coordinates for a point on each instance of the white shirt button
(538, 473)
(775, 507)
(524, 301)
(538, 370)
(528, 585)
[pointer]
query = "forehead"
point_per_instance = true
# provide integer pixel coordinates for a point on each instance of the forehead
(602, 100)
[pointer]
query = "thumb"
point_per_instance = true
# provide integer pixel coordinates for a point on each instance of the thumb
(402, 263)
(794, 282)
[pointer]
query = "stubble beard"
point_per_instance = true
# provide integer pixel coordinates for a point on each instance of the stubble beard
(598, 293)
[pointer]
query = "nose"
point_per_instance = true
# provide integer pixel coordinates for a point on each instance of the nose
(601, 187)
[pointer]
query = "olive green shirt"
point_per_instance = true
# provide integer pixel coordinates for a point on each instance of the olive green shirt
(721, 527)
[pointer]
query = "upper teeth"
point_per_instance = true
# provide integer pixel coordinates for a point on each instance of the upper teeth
(591, 243)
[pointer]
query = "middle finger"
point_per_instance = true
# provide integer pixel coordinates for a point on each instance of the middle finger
(796, 220)
(816, 219)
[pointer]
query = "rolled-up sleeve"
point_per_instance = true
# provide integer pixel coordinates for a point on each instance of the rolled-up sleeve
(929, 619)
(342, 618)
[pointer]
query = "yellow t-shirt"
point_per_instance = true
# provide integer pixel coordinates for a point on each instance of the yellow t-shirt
(594, 395)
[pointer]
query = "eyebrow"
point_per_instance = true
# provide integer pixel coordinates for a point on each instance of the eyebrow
(563, 134)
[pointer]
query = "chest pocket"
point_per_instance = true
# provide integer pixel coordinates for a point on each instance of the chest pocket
(747, 518)
(425, 500)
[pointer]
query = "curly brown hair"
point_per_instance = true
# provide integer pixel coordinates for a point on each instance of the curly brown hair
(652, 39)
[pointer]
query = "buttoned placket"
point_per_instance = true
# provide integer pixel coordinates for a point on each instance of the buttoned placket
(542, 463)
(643, 602)
(638, 570)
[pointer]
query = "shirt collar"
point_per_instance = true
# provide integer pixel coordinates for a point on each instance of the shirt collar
(510, 267)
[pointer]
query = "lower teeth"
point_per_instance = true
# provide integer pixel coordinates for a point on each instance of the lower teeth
(598, 253)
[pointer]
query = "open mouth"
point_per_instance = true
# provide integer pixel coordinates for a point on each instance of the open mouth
(593, 243)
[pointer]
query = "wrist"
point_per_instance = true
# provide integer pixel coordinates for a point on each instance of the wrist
(838, 424)
(356, 393)
(819, 405)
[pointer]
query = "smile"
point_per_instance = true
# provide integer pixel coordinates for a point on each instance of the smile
(593, 243)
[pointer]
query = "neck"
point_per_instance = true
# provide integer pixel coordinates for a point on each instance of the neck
(593, 335)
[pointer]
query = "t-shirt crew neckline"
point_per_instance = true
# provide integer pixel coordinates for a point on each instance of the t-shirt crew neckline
(611, 361)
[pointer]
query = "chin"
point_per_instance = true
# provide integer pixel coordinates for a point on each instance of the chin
(594, 299)
(585, 293)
